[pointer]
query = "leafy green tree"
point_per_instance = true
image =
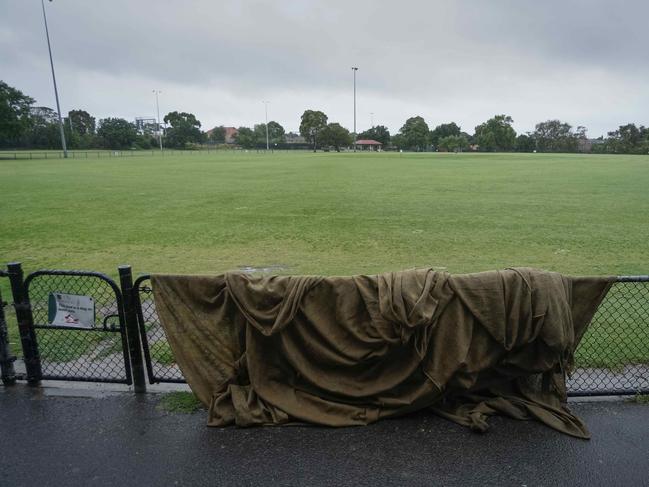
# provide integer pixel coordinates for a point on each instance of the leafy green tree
(185, 129)
(444, 130)
(628, 139)
(116, 133)
(415, 133)
(525, 143)
(247, 138)
(496, 134)
(217, 135)
(81, 122)
(275, 133)
(398, 141)
(380, 133)
(453, 143)
(555, 136)
(43, 131)
(312, 123)
(335, 135)
(14, 114)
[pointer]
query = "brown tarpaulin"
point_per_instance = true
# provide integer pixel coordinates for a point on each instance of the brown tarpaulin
(344, 351)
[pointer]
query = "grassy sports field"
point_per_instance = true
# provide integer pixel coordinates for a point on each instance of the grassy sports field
(327, 213)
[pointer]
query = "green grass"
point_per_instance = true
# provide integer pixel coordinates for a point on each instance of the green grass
(641, 399)
(161, 352)
(328, 213)
(66, 345)
(180, 402)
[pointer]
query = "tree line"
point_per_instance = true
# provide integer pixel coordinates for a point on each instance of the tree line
(23, 125)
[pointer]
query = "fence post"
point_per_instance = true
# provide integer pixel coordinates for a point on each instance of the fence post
(132, 332)
(25, 323)
(6, 358)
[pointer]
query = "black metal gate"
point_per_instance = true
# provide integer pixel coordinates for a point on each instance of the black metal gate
(96, 351)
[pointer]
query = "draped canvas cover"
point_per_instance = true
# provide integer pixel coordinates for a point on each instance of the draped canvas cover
(344, 351)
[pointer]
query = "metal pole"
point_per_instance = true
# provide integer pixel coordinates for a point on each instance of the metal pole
(354, 69)
(157, 107)
(372, 119)
(132, 331)
(266, 109)
(25, 319)
(56, 91)
(6, 358)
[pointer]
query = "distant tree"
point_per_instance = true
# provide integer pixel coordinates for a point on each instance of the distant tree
(555, 136)
(380, 133)
(116, 133)
(453, 143)
(43, 131)
(335, 135)
(398, 141)
(525, 143)
(247, 138)
(415, 133)
(185, 129)
(444, 130)
(628, 139)
(496, 134)
(14, 114)
(311, 124)
(81, 122)
(276, 132)
(217, 135)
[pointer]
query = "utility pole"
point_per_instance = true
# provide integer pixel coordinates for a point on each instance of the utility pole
(354, 69)
(157, 107)
(56, 91)
(265, 102)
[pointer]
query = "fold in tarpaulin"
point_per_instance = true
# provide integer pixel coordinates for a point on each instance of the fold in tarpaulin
(343, 351)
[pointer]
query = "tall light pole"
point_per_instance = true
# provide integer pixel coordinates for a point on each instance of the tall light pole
(56, 91)
(265, 102)
(354, 69)
(372, 119)
(157, 107)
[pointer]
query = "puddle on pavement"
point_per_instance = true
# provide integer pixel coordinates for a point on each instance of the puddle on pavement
(264, 269)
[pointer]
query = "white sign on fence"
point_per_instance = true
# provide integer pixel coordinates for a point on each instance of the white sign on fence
(71, 310)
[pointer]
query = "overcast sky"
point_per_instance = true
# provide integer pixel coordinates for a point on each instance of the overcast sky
(582, 61)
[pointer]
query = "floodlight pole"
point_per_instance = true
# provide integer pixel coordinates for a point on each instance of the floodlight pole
(266, 110)
(56, 91)
(354, 69)
(157, 107)
(372, 119)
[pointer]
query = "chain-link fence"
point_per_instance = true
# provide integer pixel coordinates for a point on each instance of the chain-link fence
(90, 349)
(612, 358)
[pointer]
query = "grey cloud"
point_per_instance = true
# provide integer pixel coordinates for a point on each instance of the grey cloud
(461, 60)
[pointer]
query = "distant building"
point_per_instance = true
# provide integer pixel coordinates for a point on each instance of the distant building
(230, 135)
(293, 138)
(368, 144)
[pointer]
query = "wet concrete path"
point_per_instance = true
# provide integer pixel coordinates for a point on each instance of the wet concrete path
(124, 439)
